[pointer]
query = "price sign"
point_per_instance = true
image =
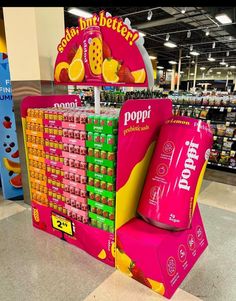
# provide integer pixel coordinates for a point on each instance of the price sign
(62, 224)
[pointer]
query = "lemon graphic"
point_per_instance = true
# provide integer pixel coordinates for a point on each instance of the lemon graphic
(139, 76)
(76, 70)
(79, 54)
(102, 254)
(158, 287)
(109, 70)
(123, 262)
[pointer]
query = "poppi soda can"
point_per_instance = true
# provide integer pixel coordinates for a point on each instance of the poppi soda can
(175, 173)
(92, 53)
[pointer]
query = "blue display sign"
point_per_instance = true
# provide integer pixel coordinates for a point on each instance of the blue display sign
(9, 155)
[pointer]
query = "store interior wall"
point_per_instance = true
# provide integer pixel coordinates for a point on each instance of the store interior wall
(32, 49)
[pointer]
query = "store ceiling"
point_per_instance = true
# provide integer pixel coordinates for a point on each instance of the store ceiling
(171, 20)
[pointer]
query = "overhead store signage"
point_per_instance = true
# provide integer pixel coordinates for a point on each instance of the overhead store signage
(103, 51)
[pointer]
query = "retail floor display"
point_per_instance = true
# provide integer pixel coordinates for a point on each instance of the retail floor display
(86, 176)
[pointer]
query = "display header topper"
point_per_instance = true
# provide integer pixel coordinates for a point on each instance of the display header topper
(103, 51)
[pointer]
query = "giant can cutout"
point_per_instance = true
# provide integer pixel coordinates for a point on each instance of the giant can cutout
(103, 51)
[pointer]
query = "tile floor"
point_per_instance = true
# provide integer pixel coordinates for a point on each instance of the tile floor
(40, 267)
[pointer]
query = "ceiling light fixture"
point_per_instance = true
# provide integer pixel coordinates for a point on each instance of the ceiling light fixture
(193, 62)
(152, 57)
(202, 68)
(207, 32)
(183, 10)
(172, 62)
(188, 56)
(227, 65)
(191, 73)
(188, 34)
(214, 45)
(167, 37)
(211, 59)
(232, 67)
(223, 19)
(160, 67)
(194, 52)
(227, 53)
(170, 44)
(218, 72)
(169, 70)
(223, 62)
(182, 72)
(79, 12)
(191, 47)
(149, 16)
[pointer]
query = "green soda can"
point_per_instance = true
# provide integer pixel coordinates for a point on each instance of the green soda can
(93, 222)
(103, 138)
(103, 120)
(96, 120)
(105, 227)
(99, 224)
(96, 137)
(111, 139)
(90, 136)
(112, 121)
(111, 229)
(90, 119)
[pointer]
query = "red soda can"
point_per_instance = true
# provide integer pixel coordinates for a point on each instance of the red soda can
(72, 176)
(83, 165)
(92, 53)
(71, 133)
(82, 135)
(77, 164)
(77, 178)
(83, 150)
(83, 193)
(65, 132)
(76, 149)
(72, 163)
(83, 179)
(77, 191)
(83, 118)
(66, 161)
(77, 134)
(65, 147)
(71, 148)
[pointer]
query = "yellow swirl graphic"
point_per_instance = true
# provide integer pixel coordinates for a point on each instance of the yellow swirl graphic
(128, 196)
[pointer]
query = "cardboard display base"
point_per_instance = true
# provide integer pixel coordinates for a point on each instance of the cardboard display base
(159, 259)
(96, 242)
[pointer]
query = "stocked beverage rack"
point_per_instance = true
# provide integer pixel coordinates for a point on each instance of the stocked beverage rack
(220, 113)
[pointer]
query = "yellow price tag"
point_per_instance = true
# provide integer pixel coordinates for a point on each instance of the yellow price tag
(62, 224)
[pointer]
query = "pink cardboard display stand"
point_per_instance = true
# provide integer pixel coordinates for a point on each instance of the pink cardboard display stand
(162, 256)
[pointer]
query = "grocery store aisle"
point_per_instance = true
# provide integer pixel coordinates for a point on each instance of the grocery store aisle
(38, 266)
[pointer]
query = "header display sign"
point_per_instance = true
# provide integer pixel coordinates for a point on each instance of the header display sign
(103, 51)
